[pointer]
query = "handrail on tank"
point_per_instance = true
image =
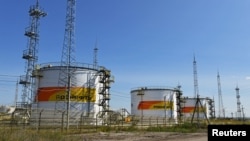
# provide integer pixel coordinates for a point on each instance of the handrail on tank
(153, 88)
(77, 64)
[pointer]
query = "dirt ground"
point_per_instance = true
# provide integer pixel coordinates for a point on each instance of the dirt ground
(145, 136)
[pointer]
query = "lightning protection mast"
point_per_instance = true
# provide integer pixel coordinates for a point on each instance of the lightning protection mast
(30, 55)
(95, 62)
(238, 115)
(221, 112)
(66, 77)
(196, 90)
(198, 105)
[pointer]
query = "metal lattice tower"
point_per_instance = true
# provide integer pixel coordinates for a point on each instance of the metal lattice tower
(198, 105)
(95, 63)
(238, 103)
(196, 90)
(68, 62)
(30, 54)
(221, 108)
(68, 58)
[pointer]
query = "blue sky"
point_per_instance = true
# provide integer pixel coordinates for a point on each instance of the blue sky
(142, 42)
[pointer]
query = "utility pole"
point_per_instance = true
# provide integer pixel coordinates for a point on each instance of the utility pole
(165, 109)
(16, 95)
(243, 114)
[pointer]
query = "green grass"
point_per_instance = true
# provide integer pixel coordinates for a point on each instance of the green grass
(19, 133)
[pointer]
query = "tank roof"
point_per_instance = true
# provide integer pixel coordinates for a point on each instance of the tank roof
(153, 88)
(75, 65)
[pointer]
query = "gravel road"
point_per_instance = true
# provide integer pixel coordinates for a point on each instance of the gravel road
(145, 136)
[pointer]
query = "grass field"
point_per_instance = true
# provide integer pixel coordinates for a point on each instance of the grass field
(26, 133)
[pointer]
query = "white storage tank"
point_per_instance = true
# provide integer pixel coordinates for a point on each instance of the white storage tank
(51, 97)
(193, 108)
(154, 102)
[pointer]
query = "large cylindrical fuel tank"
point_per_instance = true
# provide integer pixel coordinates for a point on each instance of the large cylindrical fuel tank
(196, 108)
(54, 90)
(154, 102)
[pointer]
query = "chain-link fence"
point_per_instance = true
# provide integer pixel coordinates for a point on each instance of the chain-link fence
(44, 119)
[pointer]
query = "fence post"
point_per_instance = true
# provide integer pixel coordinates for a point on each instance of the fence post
(109, 120)
(96, 124)
(150, 121)
(39, 120)
(123, 120)
(81, 122)
(142, 121)
(164, 121)
(12, 120)
(157, 121)
(62, 121)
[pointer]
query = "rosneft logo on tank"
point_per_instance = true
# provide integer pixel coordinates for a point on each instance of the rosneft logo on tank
(190, 109)
(155, 105)
(78, 94)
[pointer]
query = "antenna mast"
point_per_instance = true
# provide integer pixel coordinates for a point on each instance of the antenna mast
(30, 54)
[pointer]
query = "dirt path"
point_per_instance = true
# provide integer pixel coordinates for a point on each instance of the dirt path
(145, 136)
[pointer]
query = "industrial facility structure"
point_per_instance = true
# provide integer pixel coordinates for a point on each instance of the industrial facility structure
(68, 91)
(204, 110)
(168, 103)
(89, 97)
(65, 91)
(156, 102)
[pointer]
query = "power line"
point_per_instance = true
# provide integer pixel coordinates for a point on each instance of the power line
(6, 75)
(7, 80)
